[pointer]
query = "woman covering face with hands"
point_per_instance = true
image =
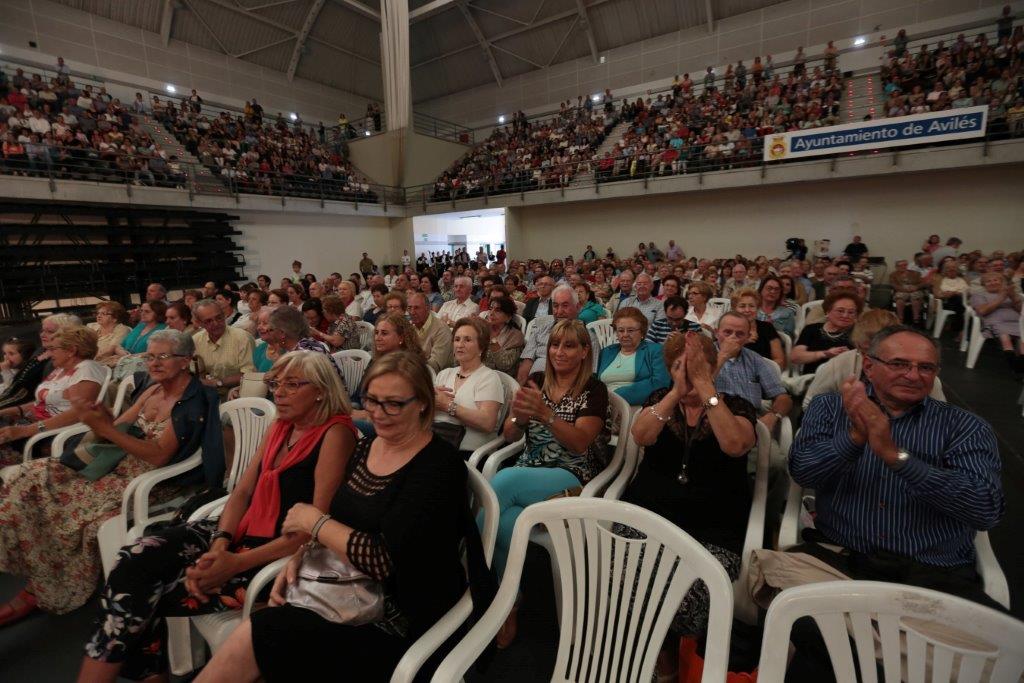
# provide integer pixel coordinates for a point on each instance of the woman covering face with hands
(694, 467)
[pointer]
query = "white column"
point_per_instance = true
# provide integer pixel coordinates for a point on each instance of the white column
(394, 49)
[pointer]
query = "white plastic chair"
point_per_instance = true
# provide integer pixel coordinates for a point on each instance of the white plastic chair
(975, 340)
(521, 321)
(799, 319)
(722, 303)
(26, 450)
(509, 388)
(806, 309)
(794, 520)
(124, 389)
(895, 617)
(787, 347)
(746, 610)
(365, 335)
(353, 364)
(249, 420)
(603, 331)
(605, 631)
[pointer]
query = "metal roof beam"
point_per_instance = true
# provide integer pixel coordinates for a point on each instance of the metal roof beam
(206, 26)
(261, 48)
(300, 39)
(166, 22)
(585, 23)
(430, 9)
(561, 44)
(514, 32)
(519, 57)
(481, 40)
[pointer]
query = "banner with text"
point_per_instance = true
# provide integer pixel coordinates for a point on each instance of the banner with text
(952, 124)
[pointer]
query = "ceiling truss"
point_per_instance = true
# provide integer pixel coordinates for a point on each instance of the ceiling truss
(584, 22)
(484, 44)
(300, 39)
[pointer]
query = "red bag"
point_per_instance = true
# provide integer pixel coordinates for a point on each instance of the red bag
(691, 665)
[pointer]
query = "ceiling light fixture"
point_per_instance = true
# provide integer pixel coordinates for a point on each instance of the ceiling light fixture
(171, 89)
(859, 40)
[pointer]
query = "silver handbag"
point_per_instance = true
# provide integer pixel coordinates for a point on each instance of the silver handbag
(335, 589)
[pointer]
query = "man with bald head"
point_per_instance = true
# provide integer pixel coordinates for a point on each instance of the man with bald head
(564, 306)
(903, 482)
(643, 298)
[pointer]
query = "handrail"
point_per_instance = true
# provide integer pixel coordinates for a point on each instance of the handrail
(433, 126)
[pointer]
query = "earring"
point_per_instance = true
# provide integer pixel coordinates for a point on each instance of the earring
(319, 398)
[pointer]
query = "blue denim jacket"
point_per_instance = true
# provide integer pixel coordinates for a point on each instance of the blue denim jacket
(196, 421)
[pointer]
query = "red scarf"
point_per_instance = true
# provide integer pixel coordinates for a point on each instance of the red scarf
(265, 507)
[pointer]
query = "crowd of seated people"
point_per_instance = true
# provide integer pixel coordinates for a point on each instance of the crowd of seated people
(528, 154)
(720, 123)
(978, 71)
(700, 384)
(53, 127)
(258, 156)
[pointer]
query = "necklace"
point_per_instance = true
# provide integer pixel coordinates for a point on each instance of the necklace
(833, 335)
(459, 375)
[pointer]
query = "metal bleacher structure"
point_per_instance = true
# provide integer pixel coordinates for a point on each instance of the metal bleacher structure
(57, 256)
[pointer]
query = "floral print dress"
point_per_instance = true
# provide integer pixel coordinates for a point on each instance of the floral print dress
(49, 515)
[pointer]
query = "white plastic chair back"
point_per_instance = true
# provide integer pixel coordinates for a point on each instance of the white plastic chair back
(787, 347)
(124, 389)
(806, 309)
(606, 632)
(795, 519)
(365, 335)
(30, 443)
(353, 364)
(604, 333)
(105, 387)
(798, 325)
(721, 303)
(509, 387)
(902, 621)
(521, 321)
(250, 418)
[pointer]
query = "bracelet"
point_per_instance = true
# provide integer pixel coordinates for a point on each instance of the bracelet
(315, 533)
(657, 415)
(219, 534)
(452, 407)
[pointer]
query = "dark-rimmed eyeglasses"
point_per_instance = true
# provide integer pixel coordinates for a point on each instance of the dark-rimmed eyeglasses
(389, 407)
(902, 367)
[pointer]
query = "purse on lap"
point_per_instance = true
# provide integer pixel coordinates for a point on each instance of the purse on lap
(92, 458)
(334, 589)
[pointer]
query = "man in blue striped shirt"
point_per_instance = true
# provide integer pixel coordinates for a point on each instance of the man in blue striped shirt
(902, 481)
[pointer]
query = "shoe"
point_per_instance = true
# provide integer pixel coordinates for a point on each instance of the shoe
(507, 633)
(23, 604)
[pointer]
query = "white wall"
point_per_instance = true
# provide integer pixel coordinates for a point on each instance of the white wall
(776, 30)
(427, 157)
(95, 45)
(323, 243)
(893, 214)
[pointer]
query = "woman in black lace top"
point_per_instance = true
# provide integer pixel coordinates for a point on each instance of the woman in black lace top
(399, 517)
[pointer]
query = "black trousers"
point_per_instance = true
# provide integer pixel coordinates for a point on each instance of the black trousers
(811, 662)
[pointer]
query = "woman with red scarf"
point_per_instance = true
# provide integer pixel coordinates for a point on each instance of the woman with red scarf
(205, 567)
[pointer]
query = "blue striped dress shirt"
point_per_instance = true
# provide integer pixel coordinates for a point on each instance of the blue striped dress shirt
(928, 510)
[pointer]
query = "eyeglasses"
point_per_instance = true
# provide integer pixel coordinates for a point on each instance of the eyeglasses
(150, 357)
(389, 407)
(290, 386)
(627, 330)
(903, 367)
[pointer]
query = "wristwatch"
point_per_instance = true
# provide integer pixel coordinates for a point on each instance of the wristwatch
(711, 401)
(222, 534)
(902, 458)
(40, 426)
(220, 383)
(515, 420)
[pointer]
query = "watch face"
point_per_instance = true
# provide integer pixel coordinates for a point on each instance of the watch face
(713, 401)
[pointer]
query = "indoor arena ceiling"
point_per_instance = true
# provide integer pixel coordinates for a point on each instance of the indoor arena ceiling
(454, 44)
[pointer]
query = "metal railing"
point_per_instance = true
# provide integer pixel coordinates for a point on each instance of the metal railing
(425, 124)
(692, 160)
(87, 164)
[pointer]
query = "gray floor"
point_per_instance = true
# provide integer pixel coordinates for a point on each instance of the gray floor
(47, 648)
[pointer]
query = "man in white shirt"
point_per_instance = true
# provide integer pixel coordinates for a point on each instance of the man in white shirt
(673, 253)
(642, 299)
(461, 305)
(38, 124)
(406, 259)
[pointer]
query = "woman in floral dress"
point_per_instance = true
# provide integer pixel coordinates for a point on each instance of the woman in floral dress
(49, 512)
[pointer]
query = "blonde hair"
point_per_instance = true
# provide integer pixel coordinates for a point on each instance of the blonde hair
(870, 323)
(405, 330)
(413, 368)
(115, 310)
(739, 295)
(319, 370)
(701, 287)
(81, 340)
(576, 330)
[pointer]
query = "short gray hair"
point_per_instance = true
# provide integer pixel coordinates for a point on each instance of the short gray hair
(203, 303)
(731, 314)
(463, 279)
(290, 322)
(893, 330)
(181, 342)
(64, 320)
(569, 290)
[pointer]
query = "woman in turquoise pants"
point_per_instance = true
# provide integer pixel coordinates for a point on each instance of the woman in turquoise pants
(563, 413)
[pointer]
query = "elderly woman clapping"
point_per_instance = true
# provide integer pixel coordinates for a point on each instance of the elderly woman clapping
(52, 508)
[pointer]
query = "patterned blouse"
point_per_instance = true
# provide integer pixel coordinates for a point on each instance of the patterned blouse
(543, 450)
(346, 327)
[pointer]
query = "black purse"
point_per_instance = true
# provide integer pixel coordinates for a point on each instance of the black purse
(451, 432)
